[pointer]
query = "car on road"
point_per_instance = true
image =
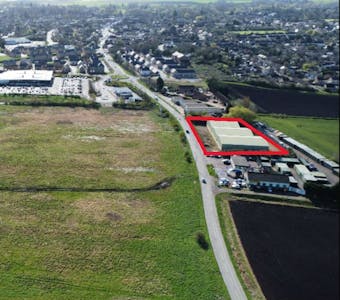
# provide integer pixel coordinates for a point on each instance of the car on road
(204, 180)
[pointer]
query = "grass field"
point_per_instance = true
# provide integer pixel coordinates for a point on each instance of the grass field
(4, 57)
(99, 245)
(321, 135)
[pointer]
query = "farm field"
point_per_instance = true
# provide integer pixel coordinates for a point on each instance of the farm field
(319, 134)
(130, 242)
(293, 251)
(290, 102)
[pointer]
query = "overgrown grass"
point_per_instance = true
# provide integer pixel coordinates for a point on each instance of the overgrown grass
(42, 100)
(63, 245)
(321, 135)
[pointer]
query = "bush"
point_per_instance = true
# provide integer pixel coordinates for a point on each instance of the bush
(202, 242)
(183, 138)
(187, 156)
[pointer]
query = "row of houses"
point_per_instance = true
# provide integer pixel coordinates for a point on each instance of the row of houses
(147, 65)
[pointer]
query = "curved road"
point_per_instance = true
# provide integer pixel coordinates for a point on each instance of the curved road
(230, 278)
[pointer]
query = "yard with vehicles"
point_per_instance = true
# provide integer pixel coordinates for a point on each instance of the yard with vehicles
(290, 259)
(321, 135)
(99, 204)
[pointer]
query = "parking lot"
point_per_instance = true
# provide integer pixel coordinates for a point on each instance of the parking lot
(223, 170)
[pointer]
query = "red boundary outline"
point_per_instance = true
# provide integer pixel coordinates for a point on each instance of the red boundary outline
(281, 151)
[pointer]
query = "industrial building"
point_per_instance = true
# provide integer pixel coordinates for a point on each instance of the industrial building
(310, 176)
(230, 136)
(26, 78)
(197, 107)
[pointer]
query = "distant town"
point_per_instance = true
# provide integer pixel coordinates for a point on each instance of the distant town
(211, 103)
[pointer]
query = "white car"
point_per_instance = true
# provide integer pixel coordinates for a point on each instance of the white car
(223, 182)
(235, 185)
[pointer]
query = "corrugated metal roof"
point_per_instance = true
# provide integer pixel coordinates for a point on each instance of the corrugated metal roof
(223, 124)
(243, 140)
(233, 131)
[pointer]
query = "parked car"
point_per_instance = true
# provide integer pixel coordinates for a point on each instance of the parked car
(226, 161)
(235, 185)
(241, 182)
(235, 173)
(223, 182)
(311, 167)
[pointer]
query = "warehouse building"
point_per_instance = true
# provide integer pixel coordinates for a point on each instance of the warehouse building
(26, 78)
(230, 136)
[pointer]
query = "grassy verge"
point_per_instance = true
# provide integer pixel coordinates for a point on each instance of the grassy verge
(81, 245)
(211, 170)
(235, 249)
(4, 57)
(321, 135)
(273, 199)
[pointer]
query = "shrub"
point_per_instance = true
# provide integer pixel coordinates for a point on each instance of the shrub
(202, 242)
(187, 156)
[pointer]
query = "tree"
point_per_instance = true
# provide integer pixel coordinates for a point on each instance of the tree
(242, 112)
(159, 84)
(2, 43)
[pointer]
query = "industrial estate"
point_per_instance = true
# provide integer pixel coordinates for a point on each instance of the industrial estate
(230, 136)
(143, 146)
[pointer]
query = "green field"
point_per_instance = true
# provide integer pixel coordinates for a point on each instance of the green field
(125, 244)
(4, 57)
(321, 135)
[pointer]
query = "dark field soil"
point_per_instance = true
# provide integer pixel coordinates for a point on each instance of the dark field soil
(291, 102)
(294, 252)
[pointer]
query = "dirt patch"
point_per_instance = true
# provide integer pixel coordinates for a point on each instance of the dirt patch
(112, 216)
(116, 207)
(120, 120)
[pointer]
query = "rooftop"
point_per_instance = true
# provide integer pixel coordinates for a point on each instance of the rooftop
(29, 75)
(243, 140)
(264, 177)
(223, 124)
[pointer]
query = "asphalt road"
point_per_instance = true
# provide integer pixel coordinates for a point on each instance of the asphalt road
(227, 270)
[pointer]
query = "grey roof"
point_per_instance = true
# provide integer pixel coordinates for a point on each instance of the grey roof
(239, 161)
(233, 131)
(264, 177)
(223, 124)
